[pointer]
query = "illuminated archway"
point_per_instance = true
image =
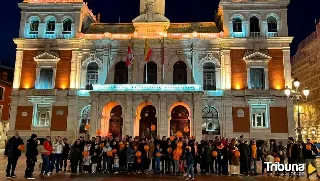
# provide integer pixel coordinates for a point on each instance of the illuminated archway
(138, 116)
(189, 116)
(106, 115)
(148, 118)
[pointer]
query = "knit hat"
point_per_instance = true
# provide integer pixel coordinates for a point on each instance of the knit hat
(33, 136)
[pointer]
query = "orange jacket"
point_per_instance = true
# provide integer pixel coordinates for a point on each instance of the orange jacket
(47, 146)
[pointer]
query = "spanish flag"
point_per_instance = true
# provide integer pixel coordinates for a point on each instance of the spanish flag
(147, 51)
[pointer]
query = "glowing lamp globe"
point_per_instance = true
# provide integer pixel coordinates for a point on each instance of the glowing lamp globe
(306, 91)
(296, 83)
(287, 91)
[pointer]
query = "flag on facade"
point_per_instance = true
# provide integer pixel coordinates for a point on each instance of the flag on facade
(130, 57)
(147, 51)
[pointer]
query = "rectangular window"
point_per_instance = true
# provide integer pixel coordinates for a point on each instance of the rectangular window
(45, 79)
(259, 116)
(257, 79)
(51, 27)
(43, 116)
(1, 94)
(209, 81)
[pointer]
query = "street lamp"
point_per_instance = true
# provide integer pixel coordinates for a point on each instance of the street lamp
(295, 95)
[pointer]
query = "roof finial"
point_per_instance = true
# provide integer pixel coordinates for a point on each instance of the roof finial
(98, 18)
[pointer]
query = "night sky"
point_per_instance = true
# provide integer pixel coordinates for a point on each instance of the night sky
(301, 18)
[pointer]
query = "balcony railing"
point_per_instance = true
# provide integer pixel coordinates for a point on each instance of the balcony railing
(33, 35)
(238, 34)
(50, 35)
(255, 34)
(272, 34)
(66, 35)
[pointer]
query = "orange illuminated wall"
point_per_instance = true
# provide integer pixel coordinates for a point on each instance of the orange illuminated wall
(238, 70)
(59, 118)
(24, 117)
(63, 70)
(276, 70)
(28, 71)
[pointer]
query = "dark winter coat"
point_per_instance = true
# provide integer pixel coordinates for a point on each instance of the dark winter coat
(32, 150)
(130, 155)
(11, 149)
(75, 152)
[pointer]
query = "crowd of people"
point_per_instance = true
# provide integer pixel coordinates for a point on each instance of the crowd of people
(173, 155)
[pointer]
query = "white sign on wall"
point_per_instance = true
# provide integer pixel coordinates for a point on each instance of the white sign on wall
(24, 114)
(240, 113)
(59, 112)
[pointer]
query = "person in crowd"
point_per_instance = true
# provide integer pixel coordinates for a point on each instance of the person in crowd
(292, 153)
(116, 164)
(189, 162)
(310, 152)
(244, 157)
(86, 163)
(31, 154)
(157, 160)
(130, 158)
(81, 146)
(234, 159)
(57, 154)
(45, 154)
(209, 158)
(65, 154)
(94, 162)
(253, 157)
(150, 153)
(108, 158)
(12, 152)
(75, 155)
(281, 155)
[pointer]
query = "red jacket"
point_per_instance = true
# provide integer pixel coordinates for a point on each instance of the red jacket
(47, 146)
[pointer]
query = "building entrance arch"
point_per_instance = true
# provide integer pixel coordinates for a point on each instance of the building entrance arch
(180, 119)
(112, 121)
(147, 120)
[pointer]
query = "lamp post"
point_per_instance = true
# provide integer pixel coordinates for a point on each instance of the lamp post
(295, 95)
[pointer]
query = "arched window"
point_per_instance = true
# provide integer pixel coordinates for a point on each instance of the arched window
(85, 119)
(121, 73)
(237, 24)
(272, 24)
(51, 26)
(34, 26)
(152, 73)
(67, 26)
(180, 73)
(254, 26)
(209, 76)
(210, 121)
(92, 73)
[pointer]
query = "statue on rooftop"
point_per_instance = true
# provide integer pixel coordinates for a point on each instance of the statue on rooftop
(150, 15)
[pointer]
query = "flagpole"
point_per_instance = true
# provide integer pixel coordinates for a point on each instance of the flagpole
(162, 60)
(147, 72)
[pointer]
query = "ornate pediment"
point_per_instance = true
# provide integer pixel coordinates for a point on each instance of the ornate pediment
(47, 56)
(256, 56)
(212, 57)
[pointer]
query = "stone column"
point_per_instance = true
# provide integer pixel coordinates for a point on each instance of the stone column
(17, 69)
(78, 74)
(291, 121)
(264, 28)
(223, 79)
(42, 29)
(218, 78)
(227, 64)
(128, 117)
(37, 77)
(58, 30)
(227, 130)
(73, 120)
(266, 78)
(248, 78)
(13, 113)
(162, 118)
(54, 77)
(73, 76)
(197, 116)
(287, 67)
(94, 114)
(246, 28)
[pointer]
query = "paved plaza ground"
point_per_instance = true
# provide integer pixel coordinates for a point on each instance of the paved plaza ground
(125, 177)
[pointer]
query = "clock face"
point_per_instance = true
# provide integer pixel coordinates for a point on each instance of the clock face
(86, 112)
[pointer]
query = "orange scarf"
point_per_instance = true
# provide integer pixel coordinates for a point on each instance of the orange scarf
(254, 151)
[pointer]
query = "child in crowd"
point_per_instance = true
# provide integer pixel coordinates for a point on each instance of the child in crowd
(157, 159)
(130, 158)
(94, 162)
(190, 162)
(86, 163)
(116, 164)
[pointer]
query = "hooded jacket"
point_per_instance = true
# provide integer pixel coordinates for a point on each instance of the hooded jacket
(32, 150)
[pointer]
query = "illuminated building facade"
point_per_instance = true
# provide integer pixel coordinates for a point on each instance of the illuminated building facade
(203, 79)
(305, 67)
